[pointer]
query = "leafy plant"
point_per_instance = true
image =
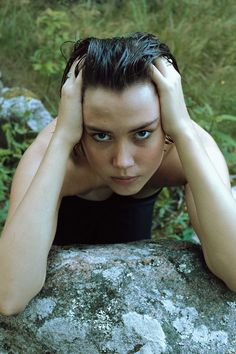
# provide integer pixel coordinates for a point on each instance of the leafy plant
(170, 216)
(53, 30)
(18, 137)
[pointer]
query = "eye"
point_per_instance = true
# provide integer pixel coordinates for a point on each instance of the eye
(101, 137)
(143, 134)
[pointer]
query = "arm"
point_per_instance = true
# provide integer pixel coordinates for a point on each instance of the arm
(35, 199)
(211, 206)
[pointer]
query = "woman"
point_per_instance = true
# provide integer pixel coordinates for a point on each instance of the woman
(122, 133)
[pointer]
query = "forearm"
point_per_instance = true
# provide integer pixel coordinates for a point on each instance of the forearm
(215, 206)
(27, 236)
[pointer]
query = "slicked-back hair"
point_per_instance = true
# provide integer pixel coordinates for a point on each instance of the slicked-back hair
(117, 63)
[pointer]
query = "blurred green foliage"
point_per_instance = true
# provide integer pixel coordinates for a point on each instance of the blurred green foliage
(201, 35)
(52, 28)
(18, 137)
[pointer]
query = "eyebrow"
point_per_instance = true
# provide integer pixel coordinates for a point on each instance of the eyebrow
(145, 125)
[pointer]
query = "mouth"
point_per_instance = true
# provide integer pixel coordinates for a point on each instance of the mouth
(124, 180)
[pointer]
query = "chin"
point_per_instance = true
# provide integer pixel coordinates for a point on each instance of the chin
(126, 191)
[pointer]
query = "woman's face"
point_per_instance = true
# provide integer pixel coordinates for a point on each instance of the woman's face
(123, 139)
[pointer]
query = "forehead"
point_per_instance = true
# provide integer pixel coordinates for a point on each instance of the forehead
(138, 99)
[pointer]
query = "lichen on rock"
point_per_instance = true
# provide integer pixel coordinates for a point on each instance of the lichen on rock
(143, 297)
(22, 105)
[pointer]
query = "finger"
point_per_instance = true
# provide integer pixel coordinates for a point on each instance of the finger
(78, 80)
(79, 66)
(164, 65)
(73, 85)
(71, 73)
(75, 69)
(157, 76)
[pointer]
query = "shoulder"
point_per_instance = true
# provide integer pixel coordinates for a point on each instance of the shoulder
(214, 153)
(206, 139)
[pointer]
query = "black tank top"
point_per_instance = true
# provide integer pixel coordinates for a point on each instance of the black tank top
(114, 220)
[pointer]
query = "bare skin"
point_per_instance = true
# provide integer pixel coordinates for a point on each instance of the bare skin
(128, 129)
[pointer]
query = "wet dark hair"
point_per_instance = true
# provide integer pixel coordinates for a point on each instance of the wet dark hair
(118, 62)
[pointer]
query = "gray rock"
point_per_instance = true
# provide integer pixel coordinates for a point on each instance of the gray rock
(143, 298)
(20, 104)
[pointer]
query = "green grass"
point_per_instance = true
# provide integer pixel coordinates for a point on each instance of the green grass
(200, 33)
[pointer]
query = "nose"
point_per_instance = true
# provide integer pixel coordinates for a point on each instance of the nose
(123, 157)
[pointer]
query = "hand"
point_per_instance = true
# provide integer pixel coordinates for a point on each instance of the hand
(174, 114)
(70, 121)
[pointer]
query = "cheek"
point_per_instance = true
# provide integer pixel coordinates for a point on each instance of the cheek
(149, 159)
(153, 156)
(154, 152)
(94, 155)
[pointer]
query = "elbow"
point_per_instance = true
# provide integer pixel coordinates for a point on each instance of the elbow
(228, 280)
(11, 305)
(230, 283)
(223, 271)
(231, 286)
(10, 309)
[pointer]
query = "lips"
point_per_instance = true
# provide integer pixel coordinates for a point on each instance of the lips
(124, 180)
